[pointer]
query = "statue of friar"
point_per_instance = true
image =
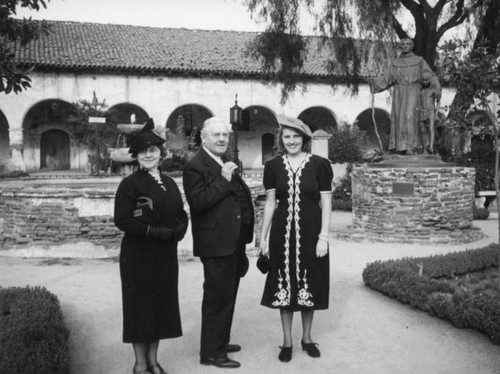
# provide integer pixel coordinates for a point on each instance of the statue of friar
(407, 74)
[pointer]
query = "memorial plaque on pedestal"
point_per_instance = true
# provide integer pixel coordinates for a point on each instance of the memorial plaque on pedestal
(406, 189)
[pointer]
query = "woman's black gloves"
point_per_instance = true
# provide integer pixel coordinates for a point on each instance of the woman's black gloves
(168, 234)
(160, 232)
(179, 231)
(182, 225)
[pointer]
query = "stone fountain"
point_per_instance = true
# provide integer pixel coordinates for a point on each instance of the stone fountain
(120, 154)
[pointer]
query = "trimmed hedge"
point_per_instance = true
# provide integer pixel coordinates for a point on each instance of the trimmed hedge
(33, 338)
(421, 283)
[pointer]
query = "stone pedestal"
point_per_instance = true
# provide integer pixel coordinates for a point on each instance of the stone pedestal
(414, 199)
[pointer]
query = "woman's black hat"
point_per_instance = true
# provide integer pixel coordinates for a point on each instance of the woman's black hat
(145, 138)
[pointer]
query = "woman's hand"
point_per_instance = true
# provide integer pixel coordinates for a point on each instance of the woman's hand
(321, 247)
(263, 248)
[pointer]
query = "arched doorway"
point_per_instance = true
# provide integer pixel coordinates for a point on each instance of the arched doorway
(54, 150)
(49, 118)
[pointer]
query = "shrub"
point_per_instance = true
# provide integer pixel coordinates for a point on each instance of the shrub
(345, 145)
(482, 158)
(342, 205)
(33, 338)
(480, 213)
(421, 283)
(174, 163)
(342, 193)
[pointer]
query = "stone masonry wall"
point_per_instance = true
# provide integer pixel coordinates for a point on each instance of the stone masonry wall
(51, 218)
(53, 215)
(414, 204)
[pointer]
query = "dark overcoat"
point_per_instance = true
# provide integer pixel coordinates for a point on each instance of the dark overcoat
(148, 267)
(214, 207)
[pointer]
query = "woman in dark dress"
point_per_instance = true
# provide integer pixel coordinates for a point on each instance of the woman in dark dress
(297, 215)
(149, 209)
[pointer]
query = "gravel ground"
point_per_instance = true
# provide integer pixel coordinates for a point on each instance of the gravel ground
(362, 332)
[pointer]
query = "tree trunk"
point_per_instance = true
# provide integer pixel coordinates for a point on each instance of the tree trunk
(497, 190)
(489, 33)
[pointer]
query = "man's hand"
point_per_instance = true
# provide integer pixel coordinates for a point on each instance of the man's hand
(228, 169)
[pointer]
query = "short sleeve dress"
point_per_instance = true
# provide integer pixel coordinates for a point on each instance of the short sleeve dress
(298, 279)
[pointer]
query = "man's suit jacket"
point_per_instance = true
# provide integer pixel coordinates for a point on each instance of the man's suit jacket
(214, 206)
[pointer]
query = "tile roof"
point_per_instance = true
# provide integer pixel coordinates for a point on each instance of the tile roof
(136, 49)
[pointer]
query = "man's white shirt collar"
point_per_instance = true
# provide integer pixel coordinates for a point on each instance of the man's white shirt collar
(215, 157)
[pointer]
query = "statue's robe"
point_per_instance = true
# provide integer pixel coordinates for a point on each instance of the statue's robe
(404, 74)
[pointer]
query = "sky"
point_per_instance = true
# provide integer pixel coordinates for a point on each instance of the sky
(191, 14)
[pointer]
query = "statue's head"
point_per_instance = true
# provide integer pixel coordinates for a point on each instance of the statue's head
(406, 45)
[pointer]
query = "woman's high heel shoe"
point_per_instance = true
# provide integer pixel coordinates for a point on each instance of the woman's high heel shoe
(285, 354)
(311, 349)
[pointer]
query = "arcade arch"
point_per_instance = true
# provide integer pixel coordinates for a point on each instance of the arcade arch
(319, 118)
(4, 140)
(188, 120)
(128, 113)
(365, 123)
(262, 128)
(47, 142)
(183, 129)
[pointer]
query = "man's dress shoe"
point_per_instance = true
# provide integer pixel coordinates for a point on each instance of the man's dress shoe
(220, 362)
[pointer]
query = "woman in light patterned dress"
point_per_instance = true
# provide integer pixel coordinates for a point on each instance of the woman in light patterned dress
(296, 217)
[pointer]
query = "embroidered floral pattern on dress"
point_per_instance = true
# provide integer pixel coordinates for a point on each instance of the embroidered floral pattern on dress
(303, 295)
(284, 293)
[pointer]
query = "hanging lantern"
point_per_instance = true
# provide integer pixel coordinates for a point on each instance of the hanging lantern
(235, 115)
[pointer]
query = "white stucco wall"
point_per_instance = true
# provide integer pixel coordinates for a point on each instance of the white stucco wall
(159, 96)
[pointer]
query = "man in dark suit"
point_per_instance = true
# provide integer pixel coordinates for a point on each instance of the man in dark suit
(222, 223)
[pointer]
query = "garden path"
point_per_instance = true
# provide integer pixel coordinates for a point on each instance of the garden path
(362, 332)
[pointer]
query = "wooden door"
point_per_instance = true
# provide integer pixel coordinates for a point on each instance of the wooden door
(54, 150)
